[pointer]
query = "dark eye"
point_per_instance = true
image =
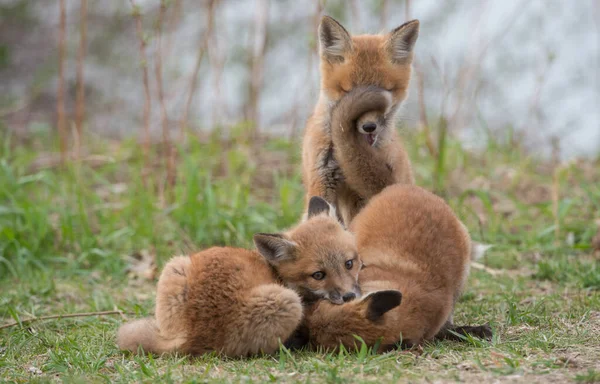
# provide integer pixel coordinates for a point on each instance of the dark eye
(349, 264)
(318, 275)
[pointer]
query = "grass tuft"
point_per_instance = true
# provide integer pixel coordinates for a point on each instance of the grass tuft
(68, 234)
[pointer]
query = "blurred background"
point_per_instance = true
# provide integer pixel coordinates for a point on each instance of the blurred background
(524, 69)
(134, 130)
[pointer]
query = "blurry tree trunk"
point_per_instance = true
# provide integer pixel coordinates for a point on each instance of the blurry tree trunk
(202, 48)
(60, 97)
(259, 46)
(136, 12)
(80, 103)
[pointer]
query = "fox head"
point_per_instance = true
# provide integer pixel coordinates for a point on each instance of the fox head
(366, 60)
(318, 258)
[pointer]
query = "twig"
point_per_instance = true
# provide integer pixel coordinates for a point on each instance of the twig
(555, 201)
(313, 51)
(60, 98)
(82, 314)
(469, 72)
(169, 164)
(194, 78)
(171, 25)
(80, 98)
(144, 63)
(261, 20)
(217, 57)
(481, 267)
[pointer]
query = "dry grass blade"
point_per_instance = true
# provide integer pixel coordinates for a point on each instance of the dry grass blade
(60, 97)
(70, 315)
(80, 98)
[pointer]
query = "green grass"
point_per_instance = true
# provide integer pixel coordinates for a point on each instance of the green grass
(67, 234)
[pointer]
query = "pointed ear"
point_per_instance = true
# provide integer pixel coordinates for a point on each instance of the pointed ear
(378, 303)
(274, 247)
(402, 41)
(318, 205)
(334, 41)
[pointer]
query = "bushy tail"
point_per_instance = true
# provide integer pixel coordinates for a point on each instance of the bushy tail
(144, 335)
(365, 168)
(270, 315)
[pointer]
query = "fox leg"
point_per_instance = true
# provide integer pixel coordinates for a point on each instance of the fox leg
(454, 332)
(268, 316)
(171, 296)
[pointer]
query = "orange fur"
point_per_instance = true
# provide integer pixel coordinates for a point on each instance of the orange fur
(411, 243)
(221, 299)
(233, 301)
(348, 62)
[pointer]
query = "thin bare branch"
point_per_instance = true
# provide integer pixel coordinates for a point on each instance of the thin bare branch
(164, 117)
(259, 46)
(60, 97)
(203, 47)
(136, 12)
(70, 315)
(313, 51)
(80, 98)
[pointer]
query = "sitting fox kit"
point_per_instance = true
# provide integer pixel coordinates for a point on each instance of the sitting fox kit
(351, 150)
(416, 256)
(232, 301)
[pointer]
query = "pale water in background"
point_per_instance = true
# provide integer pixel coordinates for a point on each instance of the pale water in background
(532, 66)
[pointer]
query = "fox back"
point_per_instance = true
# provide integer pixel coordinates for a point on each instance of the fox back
(416, 255)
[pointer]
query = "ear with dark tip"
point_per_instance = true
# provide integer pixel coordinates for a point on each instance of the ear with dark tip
(318, 205)
(381, 302)
(335, 41)
(402, 41)
(274, 247)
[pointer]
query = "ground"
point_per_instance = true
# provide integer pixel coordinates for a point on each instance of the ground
(92, 235)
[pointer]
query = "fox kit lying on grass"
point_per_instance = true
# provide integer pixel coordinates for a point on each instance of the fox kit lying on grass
(231, 300)
(415, 251)
(351, 150)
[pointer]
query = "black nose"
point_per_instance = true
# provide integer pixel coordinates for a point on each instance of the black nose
(369, 127)
(349, 297)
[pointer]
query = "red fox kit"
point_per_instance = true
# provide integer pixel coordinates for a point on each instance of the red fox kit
(416, 256)
(351, 152)
(232, 301)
